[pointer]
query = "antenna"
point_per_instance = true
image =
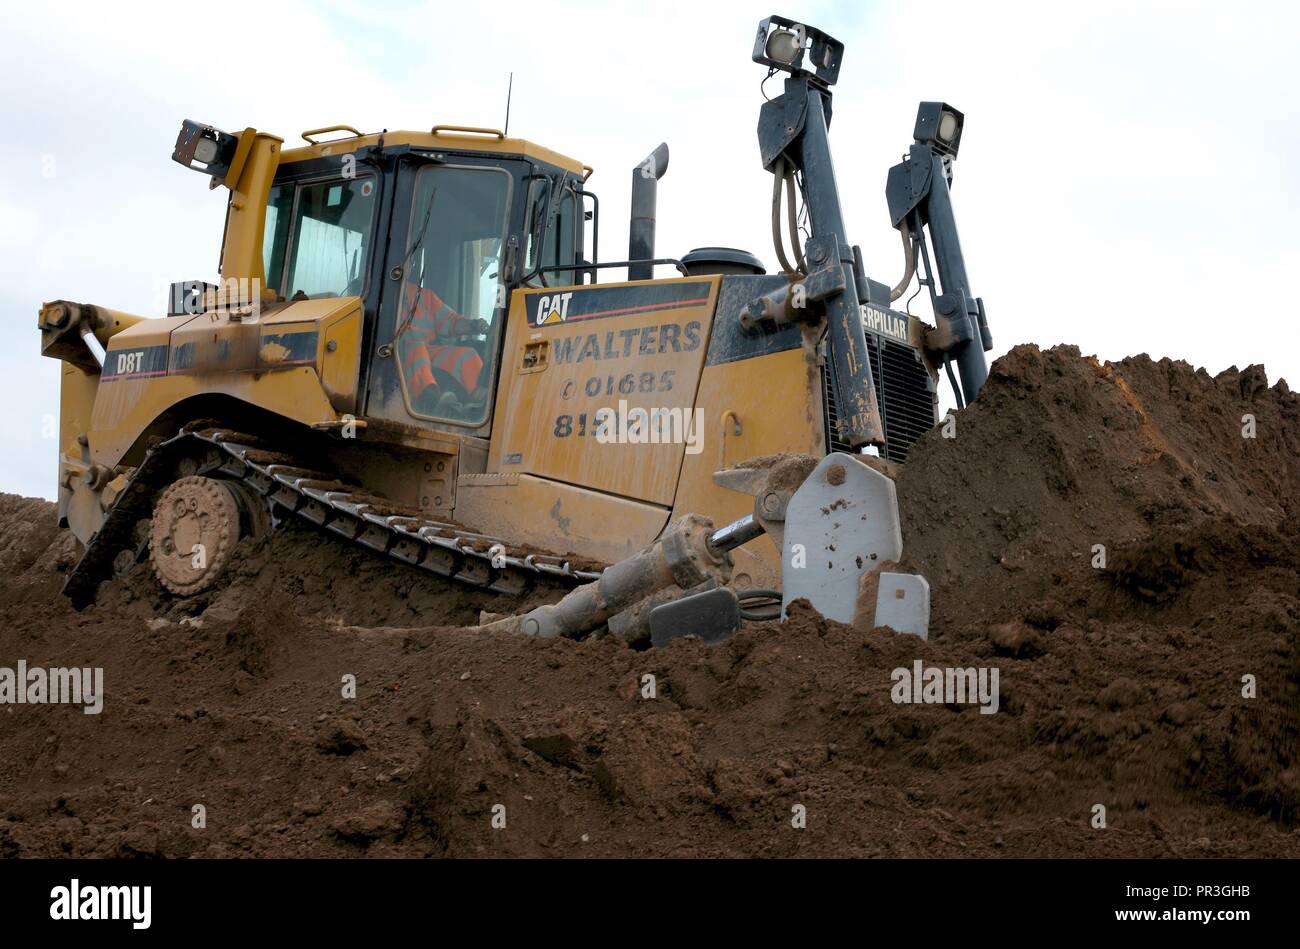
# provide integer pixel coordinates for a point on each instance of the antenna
(509, 89)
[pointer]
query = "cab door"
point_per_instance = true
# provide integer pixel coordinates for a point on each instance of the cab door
(599, 382)
(442, 306)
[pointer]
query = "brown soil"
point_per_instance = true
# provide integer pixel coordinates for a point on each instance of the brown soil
(1119, 686)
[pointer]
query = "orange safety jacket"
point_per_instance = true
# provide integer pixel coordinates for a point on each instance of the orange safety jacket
(425, 360)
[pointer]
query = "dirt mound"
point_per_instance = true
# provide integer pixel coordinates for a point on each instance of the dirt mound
(1061, 453)
(1162, 684)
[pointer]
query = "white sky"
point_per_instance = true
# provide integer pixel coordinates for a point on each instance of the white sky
(1125, 181)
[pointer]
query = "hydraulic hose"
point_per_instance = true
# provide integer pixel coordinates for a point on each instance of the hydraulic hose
(778, 173)
(909, 262)
(793, 218)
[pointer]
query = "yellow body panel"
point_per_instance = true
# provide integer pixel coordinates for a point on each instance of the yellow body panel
(249, 182)
(562, 518)
(753, 407)
(124, 414)
(557, 377)
(451, 141)
(297, 360)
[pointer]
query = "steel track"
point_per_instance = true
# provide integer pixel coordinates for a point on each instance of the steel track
(441, 548)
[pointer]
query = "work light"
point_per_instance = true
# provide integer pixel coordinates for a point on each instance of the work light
(799, 50)
(210, 147)
(939, 126)
(205, 150)
(785, 45)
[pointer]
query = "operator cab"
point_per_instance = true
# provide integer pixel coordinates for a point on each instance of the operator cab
(431, 231)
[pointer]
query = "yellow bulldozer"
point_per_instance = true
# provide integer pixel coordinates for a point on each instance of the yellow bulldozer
(410, 346)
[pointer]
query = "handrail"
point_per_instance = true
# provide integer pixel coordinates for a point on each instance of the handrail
(681, 267)
(468, 129)
(307, 135)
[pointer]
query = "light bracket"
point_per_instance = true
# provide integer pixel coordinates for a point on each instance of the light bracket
(939, 125)
(197, 141)
(817, 51)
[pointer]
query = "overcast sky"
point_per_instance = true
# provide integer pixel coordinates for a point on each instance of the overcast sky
(1126, 178)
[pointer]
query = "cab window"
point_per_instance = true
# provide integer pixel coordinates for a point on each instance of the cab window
(279, 208)
(317, 237)
(551, 243)
(330, 238)
(452, 300)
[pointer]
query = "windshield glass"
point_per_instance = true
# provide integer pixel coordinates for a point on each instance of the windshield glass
(451, 298)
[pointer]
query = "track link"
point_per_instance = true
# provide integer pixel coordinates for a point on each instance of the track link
(441, 548)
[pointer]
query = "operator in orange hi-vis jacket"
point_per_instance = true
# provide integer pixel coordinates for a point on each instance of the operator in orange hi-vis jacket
(431, 358)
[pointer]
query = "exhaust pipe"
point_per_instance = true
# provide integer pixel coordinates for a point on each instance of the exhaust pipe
(641, 229)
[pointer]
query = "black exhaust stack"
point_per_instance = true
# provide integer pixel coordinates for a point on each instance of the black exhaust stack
(641, 229)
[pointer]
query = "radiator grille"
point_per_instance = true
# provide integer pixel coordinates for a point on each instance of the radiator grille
(905, 391)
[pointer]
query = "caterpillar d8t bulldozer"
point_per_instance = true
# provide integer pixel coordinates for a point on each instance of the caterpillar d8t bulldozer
(411, 346)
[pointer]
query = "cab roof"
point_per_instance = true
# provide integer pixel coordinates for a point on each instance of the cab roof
(450, 137)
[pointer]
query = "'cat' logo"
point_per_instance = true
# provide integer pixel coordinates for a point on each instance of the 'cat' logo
(553, 308)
